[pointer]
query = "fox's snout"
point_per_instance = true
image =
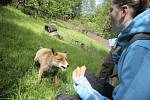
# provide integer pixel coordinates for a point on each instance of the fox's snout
(62, 66)
(65, 66)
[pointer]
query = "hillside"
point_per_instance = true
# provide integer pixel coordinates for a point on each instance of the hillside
(20, 37)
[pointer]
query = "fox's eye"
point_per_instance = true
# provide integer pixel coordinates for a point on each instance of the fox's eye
(59, 59)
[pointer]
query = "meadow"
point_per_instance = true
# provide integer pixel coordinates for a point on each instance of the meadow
(20, 37)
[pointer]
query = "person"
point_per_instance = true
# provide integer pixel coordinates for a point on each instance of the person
(129, 18)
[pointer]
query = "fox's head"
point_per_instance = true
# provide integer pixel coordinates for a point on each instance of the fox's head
(60, 60)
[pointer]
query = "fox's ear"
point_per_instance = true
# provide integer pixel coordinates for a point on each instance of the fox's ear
(65, 52)
(53, 51)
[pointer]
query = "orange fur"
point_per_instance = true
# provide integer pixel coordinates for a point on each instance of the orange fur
(50, 61)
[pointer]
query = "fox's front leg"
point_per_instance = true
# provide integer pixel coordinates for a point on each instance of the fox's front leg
(55, 79)
(41, 74)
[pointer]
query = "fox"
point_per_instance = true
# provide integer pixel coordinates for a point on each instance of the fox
(51, 62)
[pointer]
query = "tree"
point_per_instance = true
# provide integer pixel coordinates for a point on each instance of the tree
(5, 2)
(103, 20)
(62, 9)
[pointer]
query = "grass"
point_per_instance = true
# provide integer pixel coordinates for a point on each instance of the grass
(20, 37)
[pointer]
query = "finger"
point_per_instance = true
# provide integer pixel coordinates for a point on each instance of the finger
(78, 72)
(74, 74)
(83, 69)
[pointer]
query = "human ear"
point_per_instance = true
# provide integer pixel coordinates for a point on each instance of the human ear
(125, 9)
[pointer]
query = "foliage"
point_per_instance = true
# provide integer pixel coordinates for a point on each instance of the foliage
(61, 9)
(104, 21)
(5, 2)
(98, 22)
(102, 15)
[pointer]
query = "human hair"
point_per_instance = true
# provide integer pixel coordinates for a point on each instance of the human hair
(138, 5)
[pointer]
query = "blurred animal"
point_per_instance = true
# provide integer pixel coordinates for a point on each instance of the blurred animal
(51, 62)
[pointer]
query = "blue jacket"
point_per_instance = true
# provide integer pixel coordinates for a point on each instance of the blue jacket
(133, 65)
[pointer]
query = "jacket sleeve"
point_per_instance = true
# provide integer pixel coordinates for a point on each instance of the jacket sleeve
(86, 92)
(134, 70)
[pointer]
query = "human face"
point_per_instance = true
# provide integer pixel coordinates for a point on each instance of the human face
(116, 16)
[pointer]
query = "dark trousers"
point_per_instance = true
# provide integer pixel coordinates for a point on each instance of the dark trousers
(98, 84)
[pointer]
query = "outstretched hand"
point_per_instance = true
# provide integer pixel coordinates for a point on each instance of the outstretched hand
(78, 73)
(82, 85)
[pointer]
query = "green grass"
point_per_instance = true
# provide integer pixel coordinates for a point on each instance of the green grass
(20, 38)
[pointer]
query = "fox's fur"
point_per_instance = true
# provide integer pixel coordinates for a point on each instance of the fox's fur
(50, 61)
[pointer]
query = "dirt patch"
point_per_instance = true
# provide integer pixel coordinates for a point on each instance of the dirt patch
(99, 39)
